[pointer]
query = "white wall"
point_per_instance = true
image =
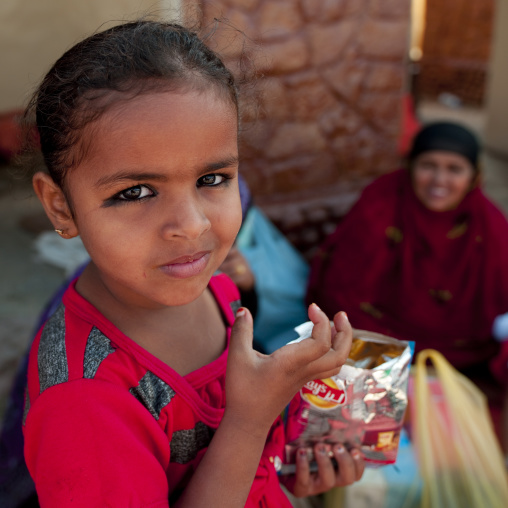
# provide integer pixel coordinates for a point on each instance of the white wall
(34, 33)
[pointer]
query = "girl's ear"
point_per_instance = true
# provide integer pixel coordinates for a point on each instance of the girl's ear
(55, 205)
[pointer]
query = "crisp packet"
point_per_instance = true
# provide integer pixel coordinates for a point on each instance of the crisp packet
(363, 406)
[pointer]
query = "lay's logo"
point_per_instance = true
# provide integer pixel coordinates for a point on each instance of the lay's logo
(323, 393)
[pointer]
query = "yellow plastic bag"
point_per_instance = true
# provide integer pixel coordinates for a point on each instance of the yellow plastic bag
(460, 459)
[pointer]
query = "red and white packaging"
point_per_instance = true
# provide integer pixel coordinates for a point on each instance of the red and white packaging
(363, 406)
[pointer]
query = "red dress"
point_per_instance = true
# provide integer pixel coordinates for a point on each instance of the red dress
(108, 424)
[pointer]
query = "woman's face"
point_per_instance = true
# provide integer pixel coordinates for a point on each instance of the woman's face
(442, 179)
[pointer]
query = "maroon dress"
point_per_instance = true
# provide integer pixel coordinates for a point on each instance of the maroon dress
(437, 278)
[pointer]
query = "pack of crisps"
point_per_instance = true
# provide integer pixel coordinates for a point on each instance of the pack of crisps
(363, 406)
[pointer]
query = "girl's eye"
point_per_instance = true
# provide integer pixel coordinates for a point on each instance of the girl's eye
(135, 193)
(211, 180)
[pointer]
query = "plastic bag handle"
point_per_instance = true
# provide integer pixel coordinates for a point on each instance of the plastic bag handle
(464, 436)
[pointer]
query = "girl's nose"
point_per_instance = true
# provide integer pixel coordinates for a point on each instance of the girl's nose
(185, 220)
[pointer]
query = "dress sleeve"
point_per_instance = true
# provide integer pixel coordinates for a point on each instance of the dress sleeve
(499, 365)
(91, 444)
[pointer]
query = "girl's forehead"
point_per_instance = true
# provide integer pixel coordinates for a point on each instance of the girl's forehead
(183, 107)
(162, 129)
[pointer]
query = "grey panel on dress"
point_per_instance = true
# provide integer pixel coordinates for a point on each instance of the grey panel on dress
(27, 405)
(98, 347)
(235, 306)
(52, 356)
(185, 444)
(153, 393)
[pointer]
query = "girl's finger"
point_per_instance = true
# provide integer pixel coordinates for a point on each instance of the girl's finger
(241, 333)
(314, 363)
(302, 476)
(321, 331)
(359, 463)
(346, 472)
(307, 351)
(341, 341)
(326, 470)
(315, 357)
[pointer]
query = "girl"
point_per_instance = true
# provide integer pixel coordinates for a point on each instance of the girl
(129, 401)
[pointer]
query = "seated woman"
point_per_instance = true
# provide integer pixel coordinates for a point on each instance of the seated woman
(423, 256)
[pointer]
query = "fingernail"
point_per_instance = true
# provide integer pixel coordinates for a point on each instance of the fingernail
(240, 312)
(345, 315)
(302, 454)
(340, 449)
(322, 450)
(355, 454)
(316, 305)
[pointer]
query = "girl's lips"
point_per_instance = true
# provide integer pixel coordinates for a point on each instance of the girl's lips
(187, 266)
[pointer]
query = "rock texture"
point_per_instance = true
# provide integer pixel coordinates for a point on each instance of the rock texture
(331, 74)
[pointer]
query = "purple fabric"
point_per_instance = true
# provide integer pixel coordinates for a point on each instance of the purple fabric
(16, 485)
(245, 196)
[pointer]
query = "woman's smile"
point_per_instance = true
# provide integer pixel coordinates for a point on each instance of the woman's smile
(441, 180)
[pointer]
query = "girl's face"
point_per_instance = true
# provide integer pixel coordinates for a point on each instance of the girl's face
(156, 200)
(442, 179)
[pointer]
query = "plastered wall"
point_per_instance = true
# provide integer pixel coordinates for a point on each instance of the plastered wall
(496, 129)
(34, 33)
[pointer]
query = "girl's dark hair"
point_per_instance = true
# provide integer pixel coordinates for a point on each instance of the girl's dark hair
(118, 63)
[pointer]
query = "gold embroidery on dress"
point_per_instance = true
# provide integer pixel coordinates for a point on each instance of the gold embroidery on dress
(368, 308)
(441, 295)
(394, 234)
(322, 254)
(457, 231)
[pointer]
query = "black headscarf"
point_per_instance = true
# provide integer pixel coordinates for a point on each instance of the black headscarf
(449, 137)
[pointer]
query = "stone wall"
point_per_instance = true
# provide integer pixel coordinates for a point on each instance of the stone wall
(332, 74)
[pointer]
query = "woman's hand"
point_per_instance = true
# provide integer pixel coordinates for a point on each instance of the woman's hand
(258, 386)
(237, 268)
(349, 469)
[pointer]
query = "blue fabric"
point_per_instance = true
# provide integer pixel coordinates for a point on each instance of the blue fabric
(281, 280)
(403, 478)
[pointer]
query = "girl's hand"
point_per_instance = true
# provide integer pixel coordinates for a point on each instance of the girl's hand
(304, 483)
(258, 387)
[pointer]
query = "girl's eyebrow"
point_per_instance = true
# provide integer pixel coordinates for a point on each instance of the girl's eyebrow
(109, 180)
(225, 163)
(129, 176)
